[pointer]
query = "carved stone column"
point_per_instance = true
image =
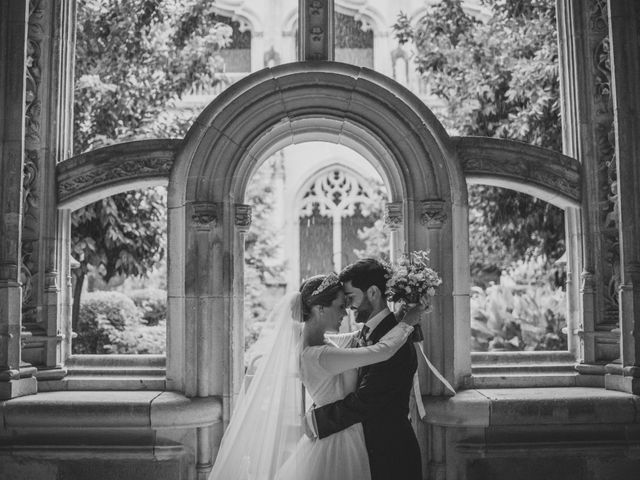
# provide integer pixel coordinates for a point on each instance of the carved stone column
(432, 438)
(587, 125)
(48, 135)
(624, 35)
(393, 222)
(13, 42)
(241, 225)
(206, 218)
(315, 30)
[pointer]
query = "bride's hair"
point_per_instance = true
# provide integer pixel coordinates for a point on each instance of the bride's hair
(318, 290)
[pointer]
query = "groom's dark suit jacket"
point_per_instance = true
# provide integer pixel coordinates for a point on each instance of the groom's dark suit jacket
(381, 403)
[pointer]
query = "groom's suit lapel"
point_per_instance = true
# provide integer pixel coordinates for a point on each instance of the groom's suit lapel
(381, 330)
(374, 337)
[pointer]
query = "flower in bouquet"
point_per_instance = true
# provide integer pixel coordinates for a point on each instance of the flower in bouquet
(412, 279)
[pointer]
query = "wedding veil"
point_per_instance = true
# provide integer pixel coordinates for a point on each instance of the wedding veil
(265, 425)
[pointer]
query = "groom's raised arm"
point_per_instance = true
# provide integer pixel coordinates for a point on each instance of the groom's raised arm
(380, 385)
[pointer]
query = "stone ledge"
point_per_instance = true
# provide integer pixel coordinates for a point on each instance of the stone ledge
(532, 406)
(109, 409)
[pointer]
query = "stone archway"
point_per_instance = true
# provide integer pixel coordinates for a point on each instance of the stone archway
(424, 169)
(266, 111)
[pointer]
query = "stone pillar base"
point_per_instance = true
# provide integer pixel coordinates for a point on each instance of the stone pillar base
(18, 388)
(620, 383)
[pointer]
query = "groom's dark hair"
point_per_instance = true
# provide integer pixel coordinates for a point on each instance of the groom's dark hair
(366, 272)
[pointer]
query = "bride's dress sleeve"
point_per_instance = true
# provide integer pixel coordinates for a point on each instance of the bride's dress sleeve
(343, 340)
(338, 360)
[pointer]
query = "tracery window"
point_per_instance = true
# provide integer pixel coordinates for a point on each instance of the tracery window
(339, 203)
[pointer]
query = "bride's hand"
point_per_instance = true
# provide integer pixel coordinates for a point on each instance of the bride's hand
(413, 313)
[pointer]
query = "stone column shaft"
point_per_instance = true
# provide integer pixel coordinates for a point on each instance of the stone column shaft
(48, 135)
(587, 119)
(624, 34)
(13, 48)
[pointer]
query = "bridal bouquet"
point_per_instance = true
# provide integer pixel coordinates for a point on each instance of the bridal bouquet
(412, 279)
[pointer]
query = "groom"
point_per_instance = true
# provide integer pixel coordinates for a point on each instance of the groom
(381, 401)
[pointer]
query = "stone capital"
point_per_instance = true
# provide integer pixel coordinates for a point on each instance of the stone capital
(393, 215)
(432, 214)
(242, 216)
(205, 214)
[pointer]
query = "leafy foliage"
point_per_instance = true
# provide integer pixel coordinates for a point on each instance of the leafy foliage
(133, 59)
(123, 234)
(376, 237)
(264, 264)
(521, 312)
(152, 303)
(110, 322)
(499, 79)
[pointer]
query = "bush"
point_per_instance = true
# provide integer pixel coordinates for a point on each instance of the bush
(151, 339)
(152, 303)
(522, 312)
(103, 319)
(109, 322)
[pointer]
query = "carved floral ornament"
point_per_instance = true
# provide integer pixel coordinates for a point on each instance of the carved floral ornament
(32, 142)
(432, 213)
(110, 172)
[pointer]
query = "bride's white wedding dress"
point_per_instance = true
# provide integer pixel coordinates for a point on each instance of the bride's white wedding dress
(329, 373)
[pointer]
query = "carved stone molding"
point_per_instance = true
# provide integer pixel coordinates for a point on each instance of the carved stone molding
(206, 214)
(114, 164)
(432, 213)
(607, 201)
(519, 163)
(393, 218)
(242, 216)
(31, 168)
(317, 28)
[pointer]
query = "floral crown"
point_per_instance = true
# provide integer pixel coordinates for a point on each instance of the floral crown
(329, 281)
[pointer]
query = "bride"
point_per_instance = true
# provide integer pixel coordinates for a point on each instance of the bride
(264, 439)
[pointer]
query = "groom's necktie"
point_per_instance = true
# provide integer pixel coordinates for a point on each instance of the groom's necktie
(362, 340)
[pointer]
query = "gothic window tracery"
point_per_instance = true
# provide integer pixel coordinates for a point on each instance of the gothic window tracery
(330, 199)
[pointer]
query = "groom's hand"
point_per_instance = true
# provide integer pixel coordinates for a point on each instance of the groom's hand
(308, 423)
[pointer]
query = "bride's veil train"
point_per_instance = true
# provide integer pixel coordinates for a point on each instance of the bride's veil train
(265, 425)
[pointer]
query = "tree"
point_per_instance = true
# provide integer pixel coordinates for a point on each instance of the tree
(499, 79)
(134, 59)
(119, 235)
(264, 264)
(376, 238)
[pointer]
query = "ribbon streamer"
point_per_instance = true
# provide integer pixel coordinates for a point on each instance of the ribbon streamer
(416, 383)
